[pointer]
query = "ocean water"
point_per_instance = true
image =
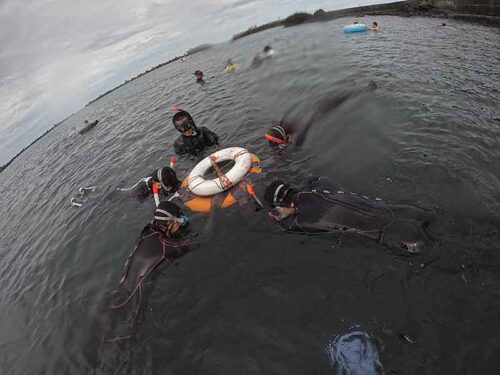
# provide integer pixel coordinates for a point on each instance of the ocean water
(253, 299)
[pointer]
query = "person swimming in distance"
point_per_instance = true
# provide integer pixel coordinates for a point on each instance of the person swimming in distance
(199, 76)
(293, 128)
(88, 126)
(374, 26)
(192, 139)
(267, 51)
(257, 61)
(165, 178)
(230, 66)
(322, 208)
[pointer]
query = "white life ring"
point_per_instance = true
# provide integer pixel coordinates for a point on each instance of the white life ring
(243, 162)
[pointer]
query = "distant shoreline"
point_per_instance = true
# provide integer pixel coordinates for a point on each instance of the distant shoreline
(189, 52)
(409, 8)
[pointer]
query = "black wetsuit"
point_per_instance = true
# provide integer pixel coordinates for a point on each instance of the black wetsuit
(118, 317)
(322, 208)
(152, 248)
(194, 144)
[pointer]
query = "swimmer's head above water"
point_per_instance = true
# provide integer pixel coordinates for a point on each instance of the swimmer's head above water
(169, 218)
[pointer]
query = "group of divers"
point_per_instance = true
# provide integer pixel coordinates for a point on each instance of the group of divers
(318, 207)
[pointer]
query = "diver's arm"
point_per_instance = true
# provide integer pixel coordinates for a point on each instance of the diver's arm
(153, 177)
(210, 137)
(179, 146)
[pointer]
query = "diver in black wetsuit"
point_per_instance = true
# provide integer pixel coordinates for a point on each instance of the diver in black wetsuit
(163, 239)
(292, 129)
(165, 177)
(192, 139)
(322, 208)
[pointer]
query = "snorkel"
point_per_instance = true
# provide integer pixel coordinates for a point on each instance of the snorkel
(155, 194)
(277, 137)
(278, 141)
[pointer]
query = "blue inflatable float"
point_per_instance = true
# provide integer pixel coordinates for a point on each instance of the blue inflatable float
(354, 28)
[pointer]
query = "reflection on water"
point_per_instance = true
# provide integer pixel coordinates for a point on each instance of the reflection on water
(251, 299)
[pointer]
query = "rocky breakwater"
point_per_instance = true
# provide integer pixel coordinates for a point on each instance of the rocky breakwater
(483, 11)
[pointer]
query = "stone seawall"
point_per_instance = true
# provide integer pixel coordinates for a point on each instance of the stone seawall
(483, 11)
(489, 8)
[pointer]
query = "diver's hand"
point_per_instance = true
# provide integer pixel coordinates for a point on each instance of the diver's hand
(176, 195)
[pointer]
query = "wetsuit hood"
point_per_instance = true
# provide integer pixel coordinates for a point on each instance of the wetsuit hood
(167, 177)
(167, 211)
(279, 193)
(182, 113)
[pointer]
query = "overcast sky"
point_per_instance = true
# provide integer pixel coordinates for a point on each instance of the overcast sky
(56, 55)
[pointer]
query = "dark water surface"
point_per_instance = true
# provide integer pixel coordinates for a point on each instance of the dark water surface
(254, 300)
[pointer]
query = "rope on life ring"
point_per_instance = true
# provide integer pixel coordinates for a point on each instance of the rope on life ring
(202, 187)
(222, 177)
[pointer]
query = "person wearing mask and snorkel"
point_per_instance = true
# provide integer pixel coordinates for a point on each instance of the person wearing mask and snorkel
(160, 240)
(164, 239)
(192, 140)
(322, 208)
(230, 66)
